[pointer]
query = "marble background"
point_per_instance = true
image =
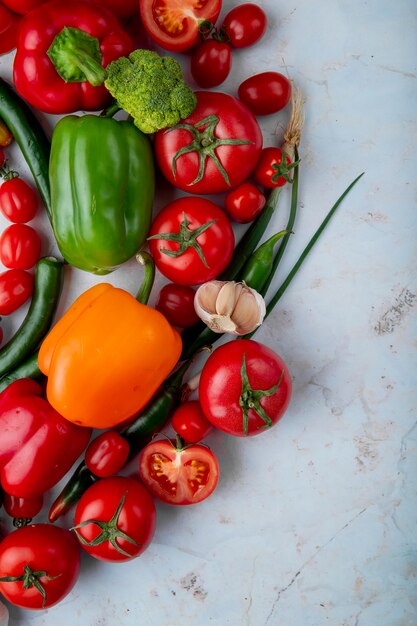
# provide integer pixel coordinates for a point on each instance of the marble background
(313, 523)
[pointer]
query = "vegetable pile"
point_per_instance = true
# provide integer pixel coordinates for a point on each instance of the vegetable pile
(62, 377)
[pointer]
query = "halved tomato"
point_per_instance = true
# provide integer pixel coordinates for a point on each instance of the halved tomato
(178, 474)
(174, 24)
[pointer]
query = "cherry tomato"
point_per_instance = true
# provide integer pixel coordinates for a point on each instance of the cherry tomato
(107, 454)
(191, 241)
(176, 302)
(18, 201)
(176, 474)
(9, 26)
(245, 388)
(216, 151)
(244, 203)
(211, 63)
(265, 93)
(128, 513)
(190, 423)
(245, 25)
(22, 509)
(45, 558)
(174, 24)
(20, 247)
(16, 286)
(270, 171)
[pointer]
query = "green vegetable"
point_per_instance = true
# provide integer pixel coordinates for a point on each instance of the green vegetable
(102, 189)
(137, 434)
(259, 266)
(151, 89)
(48, 284)
(27, 369)
(30, 137)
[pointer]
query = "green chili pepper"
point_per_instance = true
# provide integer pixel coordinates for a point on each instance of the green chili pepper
(102, 189)
(48, 284)
(137, 434)
(30, 137)
(259, 266)
(27, 369)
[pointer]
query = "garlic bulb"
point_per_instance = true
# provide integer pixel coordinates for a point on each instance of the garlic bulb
(229, 307)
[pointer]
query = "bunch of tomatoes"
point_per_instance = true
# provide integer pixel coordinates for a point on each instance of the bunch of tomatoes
(116, 516)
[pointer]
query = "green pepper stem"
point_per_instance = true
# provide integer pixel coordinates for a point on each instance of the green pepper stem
(76, 56)
(145, 259)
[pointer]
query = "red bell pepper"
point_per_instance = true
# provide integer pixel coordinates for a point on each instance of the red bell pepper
(37, 445)
(61, 52)
(9, 25)
(22, 6)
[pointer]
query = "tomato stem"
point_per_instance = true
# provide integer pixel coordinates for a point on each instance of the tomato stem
(205, 143)
(109, 531)
(30, 579)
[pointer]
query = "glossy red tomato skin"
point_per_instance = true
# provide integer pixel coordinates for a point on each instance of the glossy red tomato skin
(44, 548)
(107, 454)
(221, 386)
(181, 465)
(264, 170)
(217, 242)
(25, 508)
(190, 423)
(16, 286)
(245, 24)
(265, 93)
(18, 201)
(211, 63)
(174, 24)
(176, 303)
(137, 517)
(244, 203)
(235, 122)
(20, 247)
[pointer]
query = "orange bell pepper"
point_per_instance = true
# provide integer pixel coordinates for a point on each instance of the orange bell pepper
(106, 357)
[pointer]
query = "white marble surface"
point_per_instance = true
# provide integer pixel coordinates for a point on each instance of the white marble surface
(313, 523)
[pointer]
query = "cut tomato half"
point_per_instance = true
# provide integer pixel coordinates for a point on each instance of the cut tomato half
(178, 475)
(174, 24)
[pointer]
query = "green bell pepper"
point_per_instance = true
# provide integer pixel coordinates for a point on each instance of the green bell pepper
(102, 189)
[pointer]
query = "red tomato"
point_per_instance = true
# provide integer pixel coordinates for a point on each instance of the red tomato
(40, 553)
(176, 474)
(211, 63)
(18, 201)
(244, 203)
(20, 247)
(212, 150)
(16, 286)
(245, 388)
(107, 454)
(245, 25)
(9, 26)
(270, 171)
(265, 93)
(176, 302)
(190, 423)
(128, 513)
(22, 509)
(174, 24)
(191, 241)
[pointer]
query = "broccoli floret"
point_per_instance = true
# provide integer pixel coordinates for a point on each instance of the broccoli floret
(151, 89)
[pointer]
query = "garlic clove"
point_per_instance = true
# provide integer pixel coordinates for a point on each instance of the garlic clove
(249, 311)
(206, 295)
(226, 300)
